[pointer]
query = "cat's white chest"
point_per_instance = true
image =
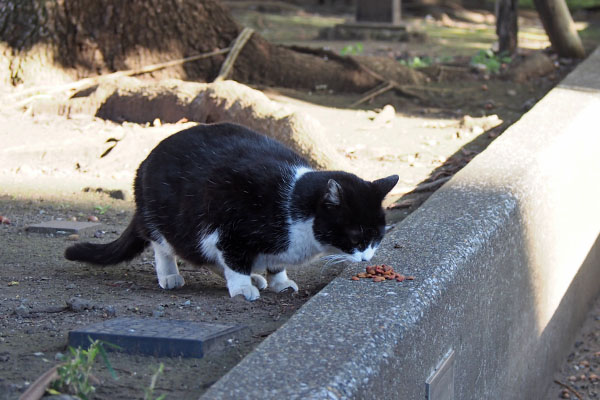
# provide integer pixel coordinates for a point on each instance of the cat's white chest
(303, 247)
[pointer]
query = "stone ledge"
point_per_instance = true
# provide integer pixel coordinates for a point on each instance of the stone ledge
(506, 257)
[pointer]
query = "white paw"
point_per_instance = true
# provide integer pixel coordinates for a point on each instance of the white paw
(280, 286)
(169, 282)
(250, 292)
(259, 281)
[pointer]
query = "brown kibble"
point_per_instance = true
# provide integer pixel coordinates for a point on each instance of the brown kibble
(410, 278)
(73, 237)
(572, 378)
(92, 218)
(484, 87)
(585, 363)
(363, 275)
(378, 279)
(355, 278)
(4, 220)
(564, 394)
(594, 377)
(387, 268)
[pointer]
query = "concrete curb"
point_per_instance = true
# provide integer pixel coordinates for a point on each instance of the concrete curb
(507, 260)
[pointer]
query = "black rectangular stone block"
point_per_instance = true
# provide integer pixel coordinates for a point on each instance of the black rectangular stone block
(158, 337)
(64, 227)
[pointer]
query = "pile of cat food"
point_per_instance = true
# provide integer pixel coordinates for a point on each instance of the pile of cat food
(380, 273)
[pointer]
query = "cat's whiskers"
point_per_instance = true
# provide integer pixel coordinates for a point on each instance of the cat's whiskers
(334, 259)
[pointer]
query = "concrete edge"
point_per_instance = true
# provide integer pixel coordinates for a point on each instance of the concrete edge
(507, 260)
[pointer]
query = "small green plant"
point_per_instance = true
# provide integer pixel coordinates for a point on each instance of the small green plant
(352, 49)
(74, 376)
(102, 209)
(149, 392)
(489, 61)
(417, 62)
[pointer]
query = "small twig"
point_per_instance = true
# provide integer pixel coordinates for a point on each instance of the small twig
(38, 388)
(236, 48)
(569, 388)
(384, 87)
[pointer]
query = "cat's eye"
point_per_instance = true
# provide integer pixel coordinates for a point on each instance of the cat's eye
(354, 236)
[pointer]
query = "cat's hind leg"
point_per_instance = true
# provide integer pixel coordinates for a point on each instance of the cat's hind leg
(166, 266)
(279, 281)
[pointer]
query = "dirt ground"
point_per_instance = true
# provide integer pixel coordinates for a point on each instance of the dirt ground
(579, 374)
(46, 162)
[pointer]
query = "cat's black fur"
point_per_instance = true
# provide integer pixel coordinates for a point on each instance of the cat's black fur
(230, 179)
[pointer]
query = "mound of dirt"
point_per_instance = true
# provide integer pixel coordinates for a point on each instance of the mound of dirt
(169, 101)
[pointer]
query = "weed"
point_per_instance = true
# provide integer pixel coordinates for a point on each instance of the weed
(352, 49)
(102, 209)
(149, 392)
(489, 61)
(74, 376)
(417, 62)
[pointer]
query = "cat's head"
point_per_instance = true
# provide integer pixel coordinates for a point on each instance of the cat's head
(349, 218)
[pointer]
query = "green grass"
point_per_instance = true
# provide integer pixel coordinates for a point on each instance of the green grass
(74, 376)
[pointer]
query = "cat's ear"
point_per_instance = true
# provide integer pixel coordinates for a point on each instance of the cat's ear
(334, 193)
(384, 185)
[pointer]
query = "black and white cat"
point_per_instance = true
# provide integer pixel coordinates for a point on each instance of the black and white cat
(241, 203)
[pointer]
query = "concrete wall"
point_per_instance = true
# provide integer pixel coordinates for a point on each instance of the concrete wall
(506, 257)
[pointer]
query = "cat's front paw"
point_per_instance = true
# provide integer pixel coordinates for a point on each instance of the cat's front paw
(280, 286)
(250, 292)
(169, 282)
(259, 281)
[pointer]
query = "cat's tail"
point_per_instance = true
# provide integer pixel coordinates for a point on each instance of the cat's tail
(125, 248)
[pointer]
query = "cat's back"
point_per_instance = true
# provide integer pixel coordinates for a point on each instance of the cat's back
(222, 144)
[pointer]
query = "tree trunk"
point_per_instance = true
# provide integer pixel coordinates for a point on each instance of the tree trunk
(89, 37)
(559, 26)
(506, 25)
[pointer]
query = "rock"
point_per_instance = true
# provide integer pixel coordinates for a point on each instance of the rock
(386, 115)
(22, 311)
(110, 311)
(79, 304)
(532, 66)
(74, 237)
